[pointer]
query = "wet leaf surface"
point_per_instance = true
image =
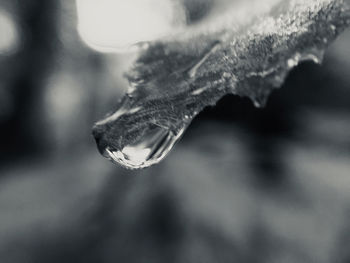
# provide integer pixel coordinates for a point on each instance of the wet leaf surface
(245, 51)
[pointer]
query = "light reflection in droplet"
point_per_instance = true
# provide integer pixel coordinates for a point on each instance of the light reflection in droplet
(151, 149)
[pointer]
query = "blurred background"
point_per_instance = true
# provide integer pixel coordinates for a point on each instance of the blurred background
(243, 185)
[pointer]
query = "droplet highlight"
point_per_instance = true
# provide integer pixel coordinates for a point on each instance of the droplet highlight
(149, 150)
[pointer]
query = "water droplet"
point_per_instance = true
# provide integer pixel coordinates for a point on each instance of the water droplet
(292, 62)
(257, 104)
(149, 150)
(315, 55)
(260, 101)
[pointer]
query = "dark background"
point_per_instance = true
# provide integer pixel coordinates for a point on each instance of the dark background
(243, 185)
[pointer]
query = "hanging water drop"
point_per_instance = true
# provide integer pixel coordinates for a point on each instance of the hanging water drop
(151, 148)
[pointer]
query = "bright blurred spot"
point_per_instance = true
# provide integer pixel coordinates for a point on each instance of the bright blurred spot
(115, 25)
(65, 100)
(64, 95)
(8, 33)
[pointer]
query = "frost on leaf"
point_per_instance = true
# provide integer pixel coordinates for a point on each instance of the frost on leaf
(242, 51)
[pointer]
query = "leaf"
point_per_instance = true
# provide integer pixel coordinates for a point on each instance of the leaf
(239, 52)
